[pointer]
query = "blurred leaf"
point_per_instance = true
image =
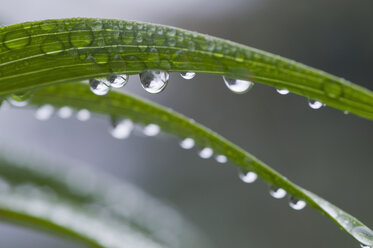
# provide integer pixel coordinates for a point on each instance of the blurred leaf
(72, 199)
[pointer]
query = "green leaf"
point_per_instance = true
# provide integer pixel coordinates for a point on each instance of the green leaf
(68, 198)
(36, 54)
(120, 106)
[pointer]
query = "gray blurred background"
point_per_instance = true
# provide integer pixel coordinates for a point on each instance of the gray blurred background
(323, 150)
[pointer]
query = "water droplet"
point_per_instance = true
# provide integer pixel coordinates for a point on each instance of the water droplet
(206, 153)
(332, 89)
(44, 112)
(17, 39)
(19, 99)
(99, 86)
(122, 130)
(238, 86)
(52, 46)
(96, 25)
(277, 193)
(117, 81)
(365, 246)
(81, 38)
(151, 130)
(296, 204)
(282, 91)
(222, 159)
(187, 143)
(83, 115)
(247, 177)
(188, 75)
(65, 112)
(154, 81)
(363, 234)
(346, 112)
(314, 104)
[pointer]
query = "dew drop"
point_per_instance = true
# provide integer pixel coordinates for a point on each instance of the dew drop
(65, 112)
(99, 86)
(151, 130)
(277, 193)
(81, 38)
(363, 234)
(154, 81)
(296, 204)
(222, 159)
(332, 89)
(247, 177)
(282, 91)
(365, 246)
(188, 75)
(187, 143)
(117, 81)
(314, 104)
(83, 115)
(206, 153)
(122, 130)
(238, 86)
(52, 46)
(19, 99)
(44, 112)
(17, 39)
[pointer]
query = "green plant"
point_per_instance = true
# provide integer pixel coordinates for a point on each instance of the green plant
(40, 56)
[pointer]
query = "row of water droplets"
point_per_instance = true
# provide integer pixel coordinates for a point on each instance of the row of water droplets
(155, 81)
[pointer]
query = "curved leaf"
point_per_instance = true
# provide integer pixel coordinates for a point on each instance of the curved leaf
(120, 105)
(41, 53)
(99, 210)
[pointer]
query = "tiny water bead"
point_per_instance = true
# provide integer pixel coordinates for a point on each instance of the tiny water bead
(99, 86)
(83, 115)
(65, 112)
(122, 130)
(117, 81)
(152, 130)
(188, 75)
(314, 104)
(206, 153)
(238, 86)
(296, 204)
(154, 82)
(248, 176)
(19, 99)
(44, 112)
(187, 143)
(17, 39)
(277, 193)
(282, 91)
(222, 159)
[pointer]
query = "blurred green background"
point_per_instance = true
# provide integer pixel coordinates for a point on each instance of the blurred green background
(323, 150)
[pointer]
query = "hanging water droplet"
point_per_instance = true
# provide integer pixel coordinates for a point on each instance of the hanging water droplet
(363, 234)
(296, 204)
(247, 177)
(99, 86)
(282, 91)
(346, 112)
(152, 130)
(188, 75)
(154, 81)
(238, 86)
(20, 99)
(222, 159)
(83, 115)
(206, 153)
(365, 246)
(314, 104)
(65, 112)
(187, 143)
(277, 193)
(122, 130)
(117, 81)
(44, 112)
